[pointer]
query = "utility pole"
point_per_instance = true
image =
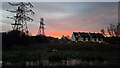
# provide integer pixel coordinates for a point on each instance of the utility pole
(41, 31)
(21, 16)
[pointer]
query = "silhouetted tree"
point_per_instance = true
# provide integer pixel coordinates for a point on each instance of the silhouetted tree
(117, 31)
(114, 30)
(103, 32)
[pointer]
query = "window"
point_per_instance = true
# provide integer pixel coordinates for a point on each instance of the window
(81, 39)
(86, 39)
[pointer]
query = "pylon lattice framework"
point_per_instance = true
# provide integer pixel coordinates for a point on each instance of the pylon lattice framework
(41, 31)
(21, 18)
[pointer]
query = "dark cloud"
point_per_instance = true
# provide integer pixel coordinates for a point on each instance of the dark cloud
(72, 16)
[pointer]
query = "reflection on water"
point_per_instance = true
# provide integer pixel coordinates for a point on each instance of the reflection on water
(72, 62)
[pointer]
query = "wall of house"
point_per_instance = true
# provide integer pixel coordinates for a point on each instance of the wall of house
(73, 38)
(80, 38)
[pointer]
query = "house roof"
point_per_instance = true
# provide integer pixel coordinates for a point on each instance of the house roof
(65, 38)
(85, 34)
(98, 35)
(76, 34)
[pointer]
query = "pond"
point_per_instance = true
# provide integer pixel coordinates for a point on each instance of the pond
(71, 62)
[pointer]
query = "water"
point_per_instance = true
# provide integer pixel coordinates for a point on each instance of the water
(72, 62)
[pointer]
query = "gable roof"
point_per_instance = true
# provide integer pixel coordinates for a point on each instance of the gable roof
(65, 38)
(76, 34)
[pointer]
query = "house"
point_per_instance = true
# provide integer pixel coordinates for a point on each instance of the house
(86, 37)
(65, 38)
(75, 36)
(83, 36)
(96, 37)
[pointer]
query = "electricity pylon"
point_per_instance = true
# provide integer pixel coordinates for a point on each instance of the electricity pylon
(41, 31)
(21, 16)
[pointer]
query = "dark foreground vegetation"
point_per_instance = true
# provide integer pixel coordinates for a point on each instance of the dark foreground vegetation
(22, 51)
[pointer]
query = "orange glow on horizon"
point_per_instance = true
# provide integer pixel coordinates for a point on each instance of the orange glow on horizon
(59, 33)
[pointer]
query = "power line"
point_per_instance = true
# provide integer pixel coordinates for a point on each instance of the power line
(21, 16)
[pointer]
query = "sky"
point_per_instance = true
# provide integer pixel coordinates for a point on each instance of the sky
(61, 0)
(63, 18)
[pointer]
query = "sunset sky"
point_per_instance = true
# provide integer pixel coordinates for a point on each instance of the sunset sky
(63, 18)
